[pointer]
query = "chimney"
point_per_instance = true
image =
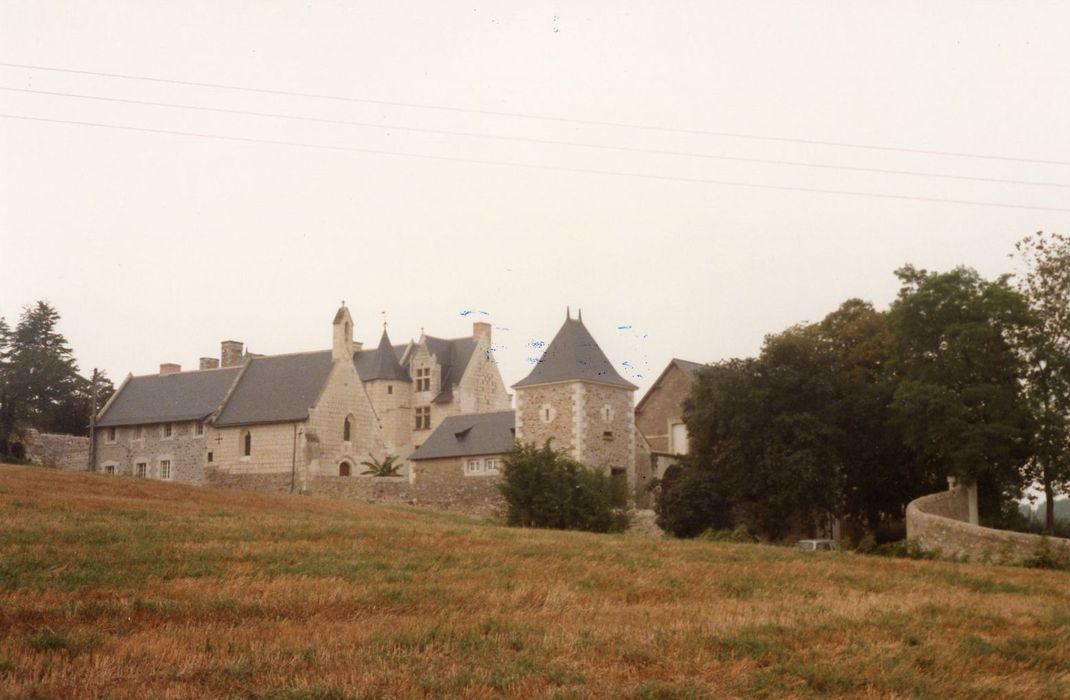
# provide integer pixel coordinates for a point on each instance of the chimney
(481, 329)
(169, 368)
(231, 353)
(209, 363)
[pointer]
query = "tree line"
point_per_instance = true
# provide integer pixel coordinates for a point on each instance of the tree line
(856, 415)
(40, 385)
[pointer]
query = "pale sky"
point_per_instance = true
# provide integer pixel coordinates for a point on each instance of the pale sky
(155, 247)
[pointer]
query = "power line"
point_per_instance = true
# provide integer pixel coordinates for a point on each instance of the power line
(538, 117)
(532, 166)
(524, 139)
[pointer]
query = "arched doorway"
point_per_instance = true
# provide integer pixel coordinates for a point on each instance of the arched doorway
(344, 469)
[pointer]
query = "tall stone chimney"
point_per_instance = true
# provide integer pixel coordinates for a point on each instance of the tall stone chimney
(169, 368)
(209, 363)
(481, 330)
(231, 353)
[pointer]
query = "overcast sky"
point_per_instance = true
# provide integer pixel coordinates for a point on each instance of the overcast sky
(155, 246)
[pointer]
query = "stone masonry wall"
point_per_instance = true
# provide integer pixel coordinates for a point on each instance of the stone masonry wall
(373, 489)
(344, 395)
(185, 450)
(442, 484)
(481, 388)
(618, 449)
(393, 406)
(259, 483)
(939, 522)
(272, 448)
(56, 450)
(662, 407)
(530, 426)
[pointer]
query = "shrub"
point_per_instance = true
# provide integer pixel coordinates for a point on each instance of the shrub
(691, 502)
(388, 467)
(868, 544)
(739, 534)
(905, 549)
(546, 488)
(1045, 557)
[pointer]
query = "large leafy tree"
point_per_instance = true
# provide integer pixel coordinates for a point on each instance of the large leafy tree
(1045, 345)
(958, 397)
(760, 444)
(879, 474)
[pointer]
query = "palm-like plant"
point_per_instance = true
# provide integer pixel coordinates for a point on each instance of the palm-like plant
(389, 466)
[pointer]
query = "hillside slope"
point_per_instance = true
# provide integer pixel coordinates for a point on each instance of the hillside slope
(128, 588)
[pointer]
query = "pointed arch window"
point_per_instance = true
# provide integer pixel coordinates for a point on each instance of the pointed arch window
(347, 429)
(246, 443)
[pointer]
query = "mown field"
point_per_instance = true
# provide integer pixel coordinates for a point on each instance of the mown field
(114, 587)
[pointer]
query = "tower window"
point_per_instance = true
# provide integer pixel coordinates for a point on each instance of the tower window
(247, 444)
(547, 413)
(423, 418)
(347, 429)
(390, 388)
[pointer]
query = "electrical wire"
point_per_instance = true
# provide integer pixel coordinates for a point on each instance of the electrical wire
(522, 115)
(534, 166)
(524, 139)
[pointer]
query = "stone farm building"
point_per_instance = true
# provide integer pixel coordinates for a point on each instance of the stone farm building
(304, 422)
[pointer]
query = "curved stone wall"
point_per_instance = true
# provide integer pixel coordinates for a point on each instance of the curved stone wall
(940, 522)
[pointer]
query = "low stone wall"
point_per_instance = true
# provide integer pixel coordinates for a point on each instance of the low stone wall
(940, 522)
(442, 484)
(55, 450)
(259, 483)
(373, 489)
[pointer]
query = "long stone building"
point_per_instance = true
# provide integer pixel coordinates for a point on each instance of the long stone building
(304, 422)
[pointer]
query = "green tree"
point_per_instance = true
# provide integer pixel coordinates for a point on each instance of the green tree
(546, 488)
(1045, 346)
(761, 443)
(958, 397)
(39, 382)
(879, 474)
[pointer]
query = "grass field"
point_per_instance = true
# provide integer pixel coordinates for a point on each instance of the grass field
(114, 587)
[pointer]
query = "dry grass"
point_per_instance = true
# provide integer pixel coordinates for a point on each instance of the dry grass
(111, 587)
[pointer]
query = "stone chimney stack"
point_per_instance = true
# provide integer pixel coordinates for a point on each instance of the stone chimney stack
(231, 353)
(481, 330)
(209, 363)
(169, 368)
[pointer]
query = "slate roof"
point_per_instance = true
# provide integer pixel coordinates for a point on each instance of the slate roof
(573, 355)
(382, 363)
(453, 355)
(164, 398)
(470, 434)
(690, 368)
(277, 388)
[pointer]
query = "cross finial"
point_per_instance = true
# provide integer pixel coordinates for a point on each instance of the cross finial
(384, 319)
(343, 302)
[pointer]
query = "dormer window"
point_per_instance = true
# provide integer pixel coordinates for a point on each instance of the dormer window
(423, 379)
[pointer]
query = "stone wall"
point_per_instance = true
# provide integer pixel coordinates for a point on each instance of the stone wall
(55, 450)
(442, 484)
(259, 483)
(134, 444)
(617, 449)
(939, 521)
(663, 406)
(531, 424)
(373, 489)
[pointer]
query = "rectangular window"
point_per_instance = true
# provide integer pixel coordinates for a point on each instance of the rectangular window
(390, 388)
(423, 417)
(135, 433)
(166, 431)
(491, 465)
(198, 429)
(141, 470)
(423, 379)
(473, 466)
(165, 469)
(209, 457)
(109, 468)
(607, 435)
(109, 435)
